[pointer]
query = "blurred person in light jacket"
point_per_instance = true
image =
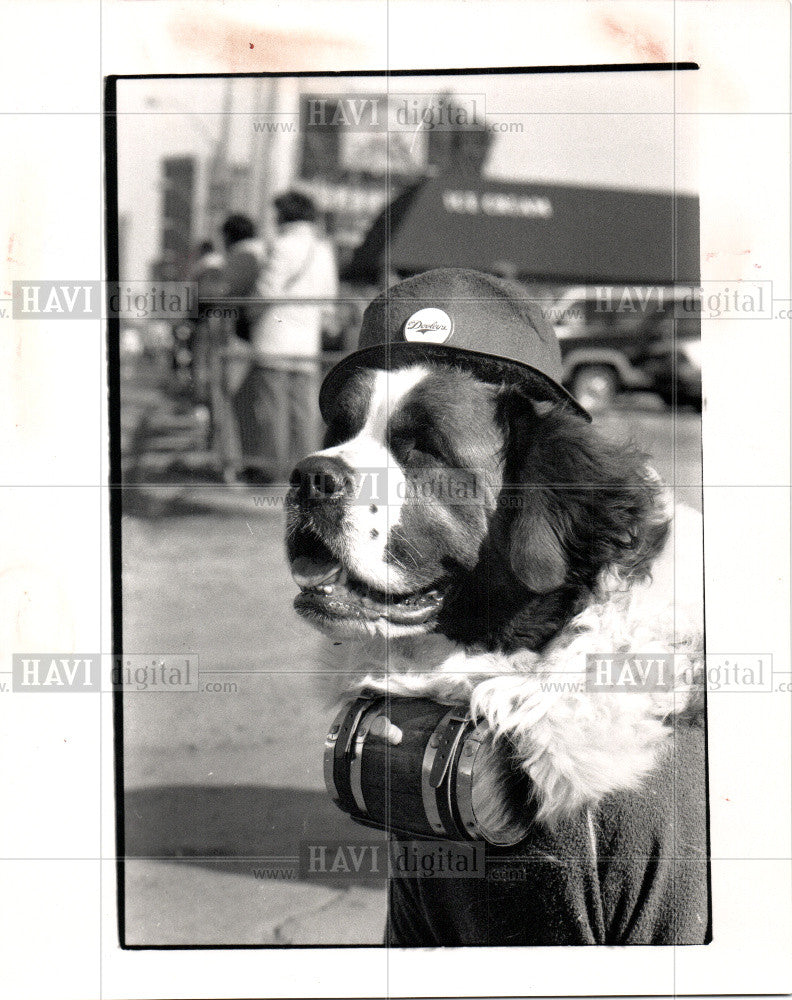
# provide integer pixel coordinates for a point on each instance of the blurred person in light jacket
(277, 404)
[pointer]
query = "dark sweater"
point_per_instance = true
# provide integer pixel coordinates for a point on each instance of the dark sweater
(633, 871)
(243, 265)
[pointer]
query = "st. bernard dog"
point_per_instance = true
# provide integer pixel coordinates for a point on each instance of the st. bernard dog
(459, 539)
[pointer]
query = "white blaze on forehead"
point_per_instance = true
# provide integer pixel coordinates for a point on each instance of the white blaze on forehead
(377, 508)
(389, 392)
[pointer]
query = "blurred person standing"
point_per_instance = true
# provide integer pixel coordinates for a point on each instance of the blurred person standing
(208, 264)
(208, 276)
(277, 404)
(244, 259)
(228, 336)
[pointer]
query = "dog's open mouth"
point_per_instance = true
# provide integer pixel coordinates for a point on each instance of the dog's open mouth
(330, 591)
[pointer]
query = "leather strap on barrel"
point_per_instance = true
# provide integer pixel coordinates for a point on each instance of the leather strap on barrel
(449, 733)
(436, 789)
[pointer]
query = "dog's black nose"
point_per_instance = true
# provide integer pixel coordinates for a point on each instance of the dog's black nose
(320, 478)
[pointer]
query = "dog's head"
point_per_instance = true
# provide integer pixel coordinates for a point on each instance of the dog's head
(445, 503)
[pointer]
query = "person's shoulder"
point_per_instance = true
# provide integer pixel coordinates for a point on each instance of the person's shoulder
(298, 233)
(251, 248)
(326, 247)
(212, 261)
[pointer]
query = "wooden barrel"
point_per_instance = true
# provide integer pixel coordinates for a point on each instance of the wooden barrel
(412, 766)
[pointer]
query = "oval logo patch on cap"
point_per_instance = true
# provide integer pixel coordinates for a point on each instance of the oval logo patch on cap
(429, 326)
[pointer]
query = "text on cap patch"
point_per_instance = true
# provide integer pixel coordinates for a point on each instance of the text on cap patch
(428, 326)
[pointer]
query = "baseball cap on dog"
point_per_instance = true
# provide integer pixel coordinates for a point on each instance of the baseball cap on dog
(464, 317)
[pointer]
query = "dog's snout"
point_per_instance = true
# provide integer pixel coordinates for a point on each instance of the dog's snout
(319, 477)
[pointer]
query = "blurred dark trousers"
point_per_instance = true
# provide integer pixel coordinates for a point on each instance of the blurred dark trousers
(277, 410)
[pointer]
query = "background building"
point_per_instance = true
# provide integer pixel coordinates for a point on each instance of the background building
(248, 139)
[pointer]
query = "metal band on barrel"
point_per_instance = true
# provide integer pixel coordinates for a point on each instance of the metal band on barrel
(446, 788)
(356, 762)
(342, 753)
(507, 836)
(464, 782)
(329, 755)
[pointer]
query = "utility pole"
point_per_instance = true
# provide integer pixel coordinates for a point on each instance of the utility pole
(263, 156)
(217, 203)
(273, 146)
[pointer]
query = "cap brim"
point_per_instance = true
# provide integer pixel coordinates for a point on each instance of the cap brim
(489, 367)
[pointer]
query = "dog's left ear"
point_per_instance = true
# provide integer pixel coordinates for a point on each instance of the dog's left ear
(583, 503)
(536, 544)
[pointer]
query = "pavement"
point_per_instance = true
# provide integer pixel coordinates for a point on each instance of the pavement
(224, 789)
(168, 905)
(224, 786)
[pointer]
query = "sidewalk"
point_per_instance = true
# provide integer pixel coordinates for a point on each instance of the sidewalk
(168, 466)
(220, 784)
(167, 903)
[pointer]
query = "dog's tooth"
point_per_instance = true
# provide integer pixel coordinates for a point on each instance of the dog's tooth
(310, 573)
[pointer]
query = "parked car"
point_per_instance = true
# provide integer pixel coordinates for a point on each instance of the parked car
(672, 360)
(625, 338)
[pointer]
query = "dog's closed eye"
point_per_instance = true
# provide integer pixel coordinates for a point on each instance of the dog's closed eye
(411, 447)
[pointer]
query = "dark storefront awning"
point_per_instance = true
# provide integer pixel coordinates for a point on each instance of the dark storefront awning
(538, 232)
